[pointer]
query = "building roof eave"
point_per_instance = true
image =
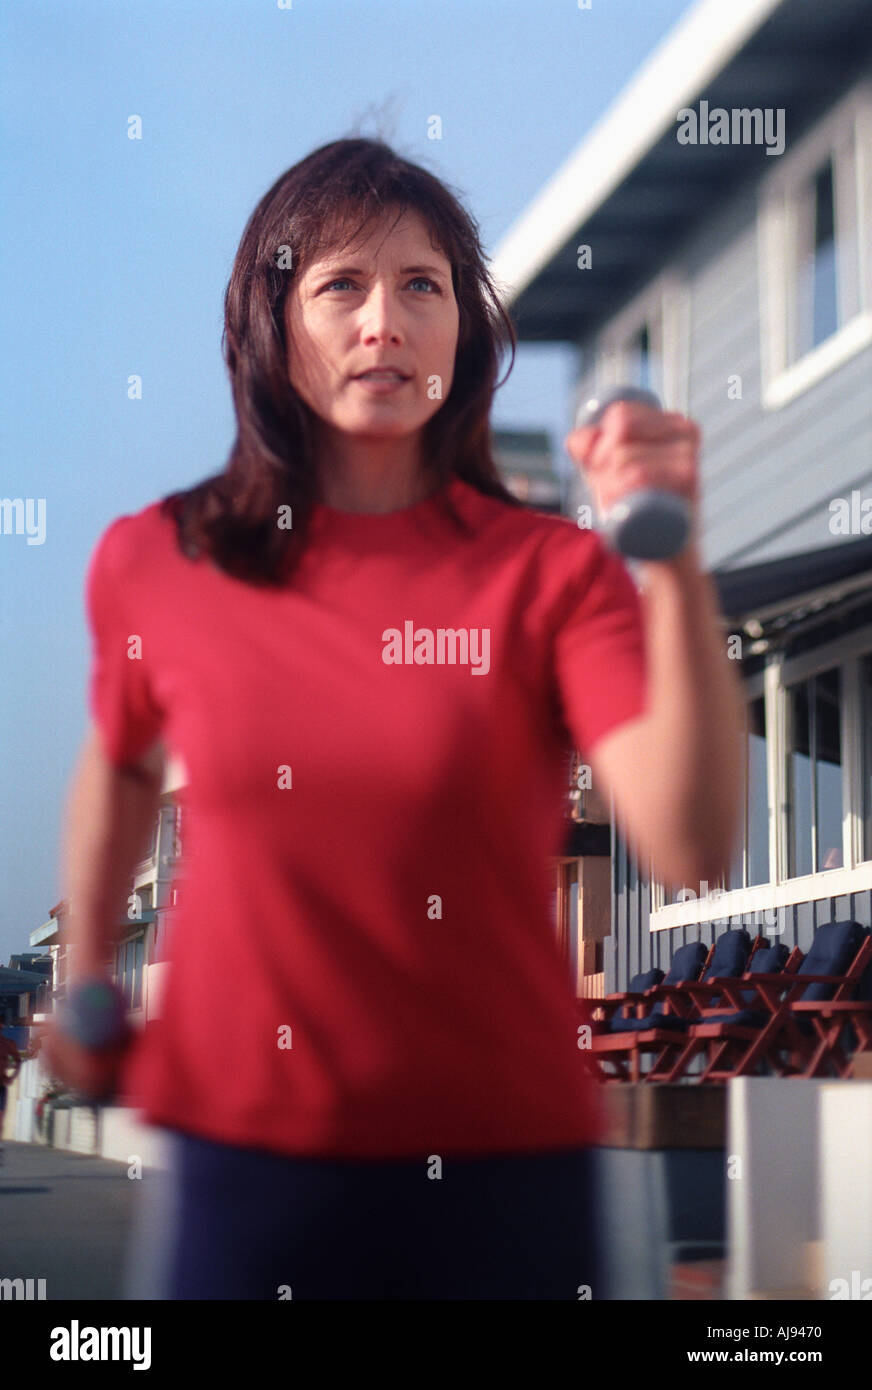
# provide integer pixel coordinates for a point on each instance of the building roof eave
(693, 52)
(634, 193)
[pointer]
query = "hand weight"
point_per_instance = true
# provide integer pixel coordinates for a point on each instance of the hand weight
(646, 524)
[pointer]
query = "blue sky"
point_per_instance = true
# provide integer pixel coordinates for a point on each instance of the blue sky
(115, 254)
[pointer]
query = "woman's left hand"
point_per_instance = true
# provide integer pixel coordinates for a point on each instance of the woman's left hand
(636, 447)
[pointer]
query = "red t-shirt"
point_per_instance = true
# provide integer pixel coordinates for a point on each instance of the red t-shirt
(363, 960)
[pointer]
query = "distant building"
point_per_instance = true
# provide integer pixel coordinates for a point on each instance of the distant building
(22, 981)
(526, 465)
(139, 955)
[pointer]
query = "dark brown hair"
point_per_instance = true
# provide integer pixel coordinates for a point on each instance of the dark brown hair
(232, 516)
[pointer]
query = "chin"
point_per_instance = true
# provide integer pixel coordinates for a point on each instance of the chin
(376, 425)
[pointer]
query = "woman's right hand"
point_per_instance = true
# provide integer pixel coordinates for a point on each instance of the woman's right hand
(93, 1075)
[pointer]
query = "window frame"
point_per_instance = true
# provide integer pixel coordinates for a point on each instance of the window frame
(754, 691)
(845, 136)
(125, 977)
(664, 306)
(778, 676)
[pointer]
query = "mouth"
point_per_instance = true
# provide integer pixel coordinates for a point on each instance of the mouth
(382, 382)
(382, 374)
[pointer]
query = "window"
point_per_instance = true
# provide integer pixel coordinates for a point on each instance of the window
(129, 961)
(809, 746)
(815, 265)
(646, 344)
(815, 775)
(151, 850)
(642, 368)
(866, 753)
(751, 861)
(818, 310)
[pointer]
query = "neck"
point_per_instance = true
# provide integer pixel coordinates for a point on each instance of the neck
(371, 475)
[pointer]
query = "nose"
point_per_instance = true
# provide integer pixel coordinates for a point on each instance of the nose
(381, 316)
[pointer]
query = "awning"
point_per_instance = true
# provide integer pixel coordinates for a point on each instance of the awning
(810, 581)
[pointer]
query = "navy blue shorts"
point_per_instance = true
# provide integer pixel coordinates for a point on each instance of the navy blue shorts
(236, 1223)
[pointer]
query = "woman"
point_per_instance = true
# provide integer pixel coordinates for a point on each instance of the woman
(372, 661)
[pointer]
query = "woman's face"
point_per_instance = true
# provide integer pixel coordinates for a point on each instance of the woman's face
(388, 302)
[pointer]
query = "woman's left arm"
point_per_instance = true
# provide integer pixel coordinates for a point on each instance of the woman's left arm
(675, 773)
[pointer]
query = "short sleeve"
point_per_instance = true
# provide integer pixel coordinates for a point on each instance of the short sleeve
(120, 697)
(600, 658)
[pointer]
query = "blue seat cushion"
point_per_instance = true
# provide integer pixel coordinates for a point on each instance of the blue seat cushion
(834, 947)
(730, 955)
(654, 1020)
(647, 980)
(729, 958)
(638, 985)
(686, 963)
(769, 960)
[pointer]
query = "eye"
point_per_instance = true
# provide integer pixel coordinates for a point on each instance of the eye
(417, 280)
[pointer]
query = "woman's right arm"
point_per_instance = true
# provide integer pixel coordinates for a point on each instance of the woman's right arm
(109, 818)
(110, 812)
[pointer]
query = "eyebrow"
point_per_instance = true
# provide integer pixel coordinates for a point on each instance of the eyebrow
(358, 270)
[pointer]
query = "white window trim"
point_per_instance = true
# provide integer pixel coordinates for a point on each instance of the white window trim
(765, 897)
(846, 135)
(817, 364)
(852, 782)
(665, 304)
(856, 876)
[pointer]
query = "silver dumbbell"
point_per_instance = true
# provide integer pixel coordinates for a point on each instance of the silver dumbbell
(647, 524)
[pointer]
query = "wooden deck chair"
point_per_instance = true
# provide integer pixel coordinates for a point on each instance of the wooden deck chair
(836, 1029)
(727, 960)
(657, 1028)
(607, 1015)
(628, 1003)
(723, 1032)
(762, 1033)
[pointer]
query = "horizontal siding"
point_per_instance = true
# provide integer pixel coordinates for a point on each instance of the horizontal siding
(767, 476)
(721, 268)
(781, 469)
(805, 532)
(634, 947)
